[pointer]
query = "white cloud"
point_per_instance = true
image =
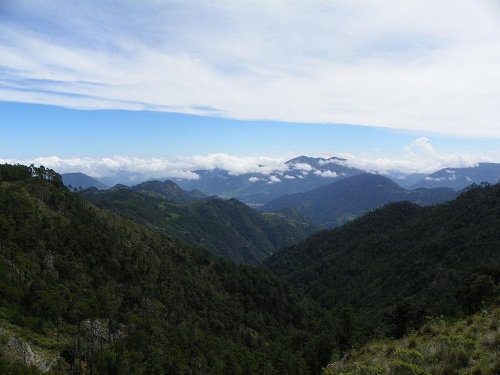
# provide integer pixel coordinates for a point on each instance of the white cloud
(304, 167)
(417, 64)
(179, 167)
(421, 144)
(273, 179)
(328, 174)
(288, 177)
(419, 156)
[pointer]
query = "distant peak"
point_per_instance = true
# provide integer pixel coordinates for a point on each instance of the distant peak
(334, 158)
(313, 160)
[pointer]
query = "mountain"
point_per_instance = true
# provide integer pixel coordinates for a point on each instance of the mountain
(406, 180)
(400, 263)
(86, 291)
(122, 177)
(228, 228)
(82, 181)
(343, 200)
(167, 190)
(460, 178)
(296, 175)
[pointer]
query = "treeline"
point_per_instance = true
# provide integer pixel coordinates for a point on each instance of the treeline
(18, 172)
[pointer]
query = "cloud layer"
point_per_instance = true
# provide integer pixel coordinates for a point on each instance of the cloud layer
(419, 156)
(417, 64)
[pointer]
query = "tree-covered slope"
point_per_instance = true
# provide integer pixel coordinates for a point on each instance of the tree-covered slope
(228, 228)
(345, 199)
(403, 261)
(108, 296)
(167, 190)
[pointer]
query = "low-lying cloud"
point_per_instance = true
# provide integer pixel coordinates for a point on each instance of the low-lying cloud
(419, 156)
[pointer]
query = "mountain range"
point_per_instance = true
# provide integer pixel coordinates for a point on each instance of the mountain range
(83, 290)
(460, 178)
(348, 198)
(297, 175)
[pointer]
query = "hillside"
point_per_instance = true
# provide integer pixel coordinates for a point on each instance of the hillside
(167, 190)
(402, 260)
(91, 292)
(346, 199)
(81, 181)
(441, 346)
(228, 228)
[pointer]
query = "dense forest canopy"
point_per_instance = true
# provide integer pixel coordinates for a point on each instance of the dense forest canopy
(95, 293)
(108, 296)
(400, 263)
(226, 227)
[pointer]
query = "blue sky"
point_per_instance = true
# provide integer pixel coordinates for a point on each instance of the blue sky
(184, 84)
(48, 130)
(100, 141)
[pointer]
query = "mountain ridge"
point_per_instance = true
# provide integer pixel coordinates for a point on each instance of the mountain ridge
(227, 228)
(343, 200)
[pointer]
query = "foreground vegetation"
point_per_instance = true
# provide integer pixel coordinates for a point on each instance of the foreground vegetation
(439, 347)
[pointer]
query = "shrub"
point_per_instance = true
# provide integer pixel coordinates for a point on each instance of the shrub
(399, 367)
(409, 355)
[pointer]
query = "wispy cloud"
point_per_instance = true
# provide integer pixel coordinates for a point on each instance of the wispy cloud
(429, 65)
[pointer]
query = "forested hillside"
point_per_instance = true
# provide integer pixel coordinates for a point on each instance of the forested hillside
(228, 228)
(84, 291)
(400, 263)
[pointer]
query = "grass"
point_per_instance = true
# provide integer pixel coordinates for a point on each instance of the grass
(440, 347)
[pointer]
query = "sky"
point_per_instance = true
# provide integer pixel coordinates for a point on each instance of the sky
(171, 86)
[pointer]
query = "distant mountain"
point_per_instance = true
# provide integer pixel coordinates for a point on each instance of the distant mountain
(228, 228)
(82, 181)
(459, 178)
(406, 180)
(128, 178)
(298, 175)
(343, 200)
(168, 190)
(403, 262)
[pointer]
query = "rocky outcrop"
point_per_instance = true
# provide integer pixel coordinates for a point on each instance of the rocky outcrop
(19, 350)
